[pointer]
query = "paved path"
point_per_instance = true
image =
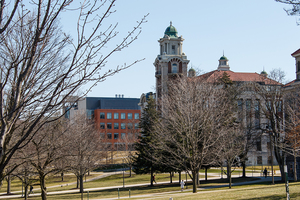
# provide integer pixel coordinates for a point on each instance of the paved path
(212, 176)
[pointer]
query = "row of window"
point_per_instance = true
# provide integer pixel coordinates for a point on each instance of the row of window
(116, 115)
(116, 136)
(116, 125)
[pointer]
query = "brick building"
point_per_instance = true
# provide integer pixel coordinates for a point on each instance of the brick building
(117, 119)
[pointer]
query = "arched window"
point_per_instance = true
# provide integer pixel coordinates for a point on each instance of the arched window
(174, 68)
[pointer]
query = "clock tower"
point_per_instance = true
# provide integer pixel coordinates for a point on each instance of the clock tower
(171, 61)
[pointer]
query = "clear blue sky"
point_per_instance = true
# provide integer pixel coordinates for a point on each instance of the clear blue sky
(254, 34)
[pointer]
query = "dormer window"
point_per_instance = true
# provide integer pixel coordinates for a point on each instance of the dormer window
(174, 68)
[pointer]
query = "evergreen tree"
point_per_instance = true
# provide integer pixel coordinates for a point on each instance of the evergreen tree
(143, 161)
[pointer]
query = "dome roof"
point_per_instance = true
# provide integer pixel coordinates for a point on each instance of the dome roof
(171, 31)
(192, 70)
(264, 72)
(223, 58)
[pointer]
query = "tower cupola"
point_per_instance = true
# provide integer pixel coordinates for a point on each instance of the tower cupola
(223, 64)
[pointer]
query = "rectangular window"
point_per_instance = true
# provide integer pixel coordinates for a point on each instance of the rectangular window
(248, 112)
(108, 115)
(123, 135)
(257, 113)
(259, 160)
(173, 49)
(109, 136)
(279, 106)
(123, 125)
(269, 146)
(136, 135)
(136, 115)
(130, 136)
(102, 115)
(258, 144)
(102, 135)
(129, 126)
(116, 115)
(102, 125)
(116, 136)
(129, 116)
(123, 116)
(240, 109)
(116, 125)
(136, 125)
(109, 126)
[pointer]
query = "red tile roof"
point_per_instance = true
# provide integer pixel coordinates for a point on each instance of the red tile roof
(238, 77)
(296, 52)
(289, 83)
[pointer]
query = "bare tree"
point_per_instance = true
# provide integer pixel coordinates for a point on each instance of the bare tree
(233, 145)
(127, 150)
(195, 115)
(292, 125)
(85, 148)
(41, 66)
(44, 150)
(295, 10)
(271, 95)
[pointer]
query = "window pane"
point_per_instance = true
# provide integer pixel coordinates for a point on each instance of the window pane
(102, 125)
(108, 115)
(136, 125)
(129, 115)
(102, 115)
(123, 125)
(109, 126)
(259, 160)
(123, 135)
(116, 115)
(116, 136)
(102, 135)
(129, 126)
(116, 125)
(123, 115)
(108, 135)
(136, 116)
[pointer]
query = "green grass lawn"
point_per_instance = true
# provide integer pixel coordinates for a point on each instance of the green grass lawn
(165, 191)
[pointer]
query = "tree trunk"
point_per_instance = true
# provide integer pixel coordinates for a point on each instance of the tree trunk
(194, 173)
(229, 173)
(130, 168)
(179, 175)
(197, 182)
(206, 173)
(244, 169)
(77, 184)
(8, 184)
(295, 167)
(171, 180)
(43, 187)
(25, 191)
(151, 179)
(62, 176)
(81, 183)
(279, 158)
